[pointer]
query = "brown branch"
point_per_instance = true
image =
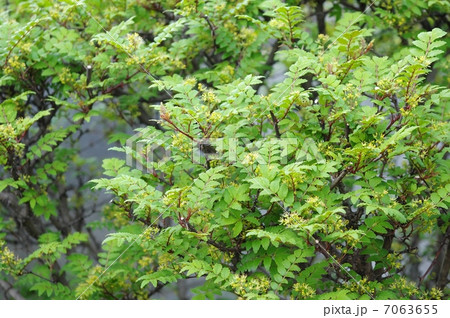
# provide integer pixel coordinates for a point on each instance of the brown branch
(213, 29)
(338, 179)
(434, 261)
(320, 16)
(219, 245)
(275, 124)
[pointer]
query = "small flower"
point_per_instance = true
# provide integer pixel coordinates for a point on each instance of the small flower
(250, 159)
(191, 81)
(215, 117)
(247, 36)
(134, 41)
(209, 97)
(14, 65)
(304, 290)
(65, 76)
(276, 24)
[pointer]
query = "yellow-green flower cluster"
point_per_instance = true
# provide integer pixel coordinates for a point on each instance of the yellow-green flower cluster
(145, 261)
(293, 178)
(201, 88)
(247, 36)
(215, 117)
(188, 6)
(250, 158)
(219, 7)
(380, 195)
(239, 282)
(190, 81)
(205, 216)
(141, 294)
(181, 142)
(315, 202)
(150, 233)
(25, 47)
(217, 255)
(55, 11)
(394, 260)
(60, 12)
(209, 97)
(135, 60)
(433, 294)
(407, 288)
(93, 275)
(242, 284)
(337, 225)
(386, 4)
(65, 76)
(166, 260)
(414, 100)
(371, 146)
(322, 38)
(7, 133)
(216, 134)
(119, 284)
(304, 291)
(134, 42)
(231, 27)
(8, 139)
(8, 258)
(226, 74)
(351, 239)
(14, 65)
(303, 101)
(425, 213)
(116, 215)
(384, 84)
(438, 125)
(178, 64)
(292, 220)
(362, 286)
(351, 94)
(396, 22)
(276, 24)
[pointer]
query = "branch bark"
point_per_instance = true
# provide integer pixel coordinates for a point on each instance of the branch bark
(320, 16)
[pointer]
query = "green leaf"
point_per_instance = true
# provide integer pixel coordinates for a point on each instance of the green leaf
(163, 276)
(6, 182)
(397, 215)
(283, 191)
(237, 229)
(265, 242)
(435, 198)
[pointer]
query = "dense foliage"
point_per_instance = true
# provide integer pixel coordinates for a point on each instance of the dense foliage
(283, 149)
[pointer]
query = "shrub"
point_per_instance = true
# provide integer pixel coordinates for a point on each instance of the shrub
(325, 182)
